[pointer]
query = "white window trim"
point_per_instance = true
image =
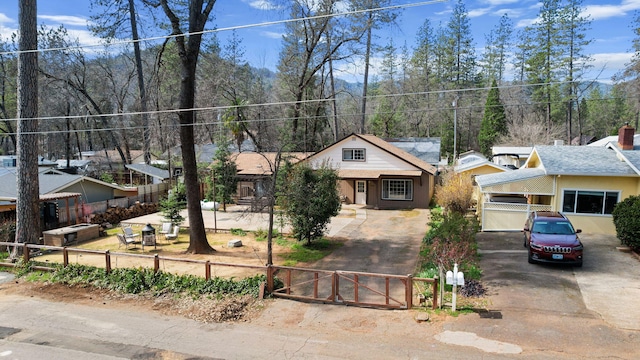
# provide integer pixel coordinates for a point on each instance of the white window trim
(602, 213)
(385, 183)
(353, 150)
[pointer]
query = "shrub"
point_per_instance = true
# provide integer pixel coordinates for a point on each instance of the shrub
(451, 239)
(455, 193)
(625, 218)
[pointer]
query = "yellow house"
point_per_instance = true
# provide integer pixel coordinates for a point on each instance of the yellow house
(583, 182)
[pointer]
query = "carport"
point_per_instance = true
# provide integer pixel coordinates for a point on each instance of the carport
(507, 216)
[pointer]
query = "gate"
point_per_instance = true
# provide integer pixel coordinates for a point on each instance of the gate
(507, 216)
(343, 287)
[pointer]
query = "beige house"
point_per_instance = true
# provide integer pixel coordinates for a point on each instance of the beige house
(375, 173)
(584, 182)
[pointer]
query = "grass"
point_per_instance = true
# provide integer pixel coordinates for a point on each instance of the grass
(308, 253)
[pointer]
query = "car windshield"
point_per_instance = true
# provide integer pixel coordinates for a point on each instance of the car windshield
(553, 227)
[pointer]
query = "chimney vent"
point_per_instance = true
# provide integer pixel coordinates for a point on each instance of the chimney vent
(625, 137)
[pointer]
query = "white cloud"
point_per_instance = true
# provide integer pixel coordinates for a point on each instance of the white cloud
(65, 19)
(272, 34)
(597, 12)
(263, 5)
(611, 61)
(479, 12)
(5, 19)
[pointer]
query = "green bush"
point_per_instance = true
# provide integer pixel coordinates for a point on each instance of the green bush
(451, 239)
(138, 281)
(625, 218)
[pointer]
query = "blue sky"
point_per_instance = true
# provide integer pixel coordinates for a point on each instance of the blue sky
(611, 26)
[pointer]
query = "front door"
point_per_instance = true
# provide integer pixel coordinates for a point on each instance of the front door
(361, 192)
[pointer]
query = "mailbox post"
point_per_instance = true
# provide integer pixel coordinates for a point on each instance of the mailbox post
(454, 278)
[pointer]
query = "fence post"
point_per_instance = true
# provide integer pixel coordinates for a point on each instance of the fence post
(207, 270)
(270, 278)
(25, 253)
(65, 257)
(156, 263)
(288, 282)
(355, 287)
(409, 291)
(435, 292)
(107, 259)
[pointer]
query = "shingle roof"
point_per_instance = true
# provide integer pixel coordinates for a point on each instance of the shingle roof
(582, 160)
(509, 176)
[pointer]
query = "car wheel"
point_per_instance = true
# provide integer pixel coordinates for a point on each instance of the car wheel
(530, 258)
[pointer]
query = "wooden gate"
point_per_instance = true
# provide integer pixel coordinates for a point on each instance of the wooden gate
(342, 287)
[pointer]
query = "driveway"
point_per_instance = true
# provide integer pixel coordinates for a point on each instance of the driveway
(591, 311)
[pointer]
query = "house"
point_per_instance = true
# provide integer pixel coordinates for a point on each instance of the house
(59, 190)
(375, 173)
(584, 182)
(510, 155)
(254, 171)
(426, 149)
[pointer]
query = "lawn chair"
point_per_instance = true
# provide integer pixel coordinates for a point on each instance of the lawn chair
(128, 233)
(122, 240)
(174, 234)
(166, 228)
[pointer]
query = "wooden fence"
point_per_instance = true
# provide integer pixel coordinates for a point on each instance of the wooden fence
(332, 287)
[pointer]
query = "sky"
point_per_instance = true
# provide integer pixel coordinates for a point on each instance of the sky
(611, 26)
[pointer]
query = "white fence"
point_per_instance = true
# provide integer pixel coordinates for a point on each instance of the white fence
(507, 216)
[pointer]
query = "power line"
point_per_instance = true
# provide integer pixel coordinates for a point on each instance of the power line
(237, 27)
(279, 103)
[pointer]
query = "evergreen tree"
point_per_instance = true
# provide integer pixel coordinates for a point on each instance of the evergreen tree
(497, 47)
(494, 121)
(310, 199)
(225, 175)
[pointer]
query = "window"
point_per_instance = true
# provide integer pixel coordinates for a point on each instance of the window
(397, 190)
(353, 155)
(589, 202)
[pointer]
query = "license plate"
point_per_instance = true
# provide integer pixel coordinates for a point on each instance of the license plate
(557, 256)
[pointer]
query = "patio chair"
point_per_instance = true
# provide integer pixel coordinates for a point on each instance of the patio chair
(122, 240)
(128, 233)
(174, 234)
(166, 228)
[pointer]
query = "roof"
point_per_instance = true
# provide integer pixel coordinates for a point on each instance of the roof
(477, 164)
(509, 176)
(49, 183)
(522, 151)
(401, 154)
(149, 170)
(581, 160)
(426, 149)
(375, 174)
(614, 139)
(253, 163)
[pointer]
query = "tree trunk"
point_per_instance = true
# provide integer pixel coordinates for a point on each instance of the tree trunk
(366, 74)
(146, 132)
(28, 202)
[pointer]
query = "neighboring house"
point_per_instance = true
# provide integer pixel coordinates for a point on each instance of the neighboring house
(378, 174)
(111, 159)
(61, 190)
(10, 161)
(426, 149)
(584, 182)
(156, 175)
(254, 171)
(507, 155)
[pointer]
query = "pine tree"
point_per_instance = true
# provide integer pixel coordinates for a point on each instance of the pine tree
(494, 121)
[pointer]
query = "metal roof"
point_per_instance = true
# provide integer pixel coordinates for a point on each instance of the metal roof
(480, 163)
(149, 170)
(426, 149)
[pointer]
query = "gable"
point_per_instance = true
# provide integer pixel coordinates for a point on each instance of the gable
(378, 155)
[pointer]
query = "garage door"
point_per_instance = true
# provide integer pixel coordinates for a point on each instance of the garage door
(507, 216)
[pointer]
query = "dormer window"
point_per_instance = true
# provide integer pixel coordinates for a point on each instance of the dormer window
(353, 155)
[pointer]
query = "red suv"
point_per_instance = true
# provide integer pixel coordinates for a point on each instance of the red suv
(550, 238)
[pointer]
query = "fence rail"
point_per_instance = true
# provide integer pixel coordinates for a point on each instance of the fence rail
(357, 288)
